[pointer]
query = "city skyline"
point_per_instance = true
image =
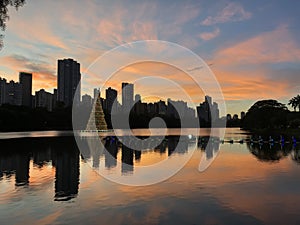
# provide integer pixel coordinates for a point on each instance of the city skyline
(205, 110)
(236, 39)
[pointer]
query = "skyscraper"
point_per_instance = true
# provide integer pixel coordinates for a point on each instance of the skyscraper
(111, 96)
(208, 110)
(96, 93)
(127, 96)
(68, 78)
(26, 82)
(2, 90)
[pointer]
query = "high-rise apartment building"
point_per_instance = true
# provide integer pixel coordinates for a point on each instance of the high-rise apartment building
(25, 80)
(111, 96)
(127, 96)
(68, 78)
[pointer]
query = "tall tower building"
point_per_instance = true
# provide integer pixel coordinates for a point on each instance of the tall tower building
(208, 99)
(2, 90)
(127, 96)
(111, 96)
(68, 78)
(96, 93)
(26, 82)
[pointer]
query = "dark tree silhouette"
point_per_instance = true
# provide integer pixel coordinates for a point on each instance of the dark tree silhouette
(295, 102)
(266, 114)
(4, 4)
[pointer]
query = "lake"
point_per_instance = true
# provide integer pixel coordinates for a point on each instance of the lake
(45, 179)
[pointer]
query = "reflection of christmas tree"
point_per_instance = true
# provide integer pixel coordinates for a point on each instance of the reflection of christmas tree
(97, 122)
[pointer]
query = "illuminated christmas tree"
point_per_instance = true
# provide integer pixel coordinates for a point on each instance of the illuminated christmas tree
(97, 122)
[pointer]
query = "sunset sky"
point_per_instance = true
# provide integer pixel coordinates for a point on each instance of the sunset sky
(253, 47)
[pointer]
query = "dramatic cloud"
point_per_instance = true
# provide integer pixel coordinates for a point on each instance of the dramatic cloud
(43, 73)
(232, 12)
(254, 56)
(268, 47)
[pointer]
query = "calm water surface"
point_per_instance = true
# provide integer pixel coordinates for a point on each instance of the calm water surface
(45, 180)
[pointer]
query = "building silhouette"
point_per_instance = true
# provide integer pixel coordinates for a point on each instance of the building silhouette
(68, 78)
(2, 90)
(208, 110)
(54, 98)
(137, 98)
(127, 96)
(111, 96)
(162, 107)
(87, 101)
(10, 93)
(25, 80)
(44, 99)
(215, 113)
(13, 93)
(178, 109)
(96, 93)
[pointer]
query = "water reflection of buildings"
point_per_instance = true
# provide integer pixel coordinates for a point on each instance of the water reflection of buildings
(210, 146)
(64, 155)
(118, 147)
(111, 153)
(66, 175)
(127, 160)
(17, 164)
(175, 145)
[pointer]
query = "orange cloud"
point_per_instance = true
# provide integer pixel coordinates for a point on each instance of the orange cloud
(43, 73)
(250, 85)
(243, 69)
(269, 47)
(157, 80)
(44, 81)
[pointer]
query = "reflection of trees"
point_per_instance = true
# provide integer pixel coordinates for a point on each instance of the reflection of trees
(269, 153)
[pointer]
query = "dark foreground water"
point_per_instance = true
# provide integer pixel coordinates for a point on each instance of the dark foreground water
(47, 181)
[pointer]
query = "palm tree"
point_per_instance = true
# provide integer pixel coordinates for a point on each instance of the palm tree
(295, 102)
